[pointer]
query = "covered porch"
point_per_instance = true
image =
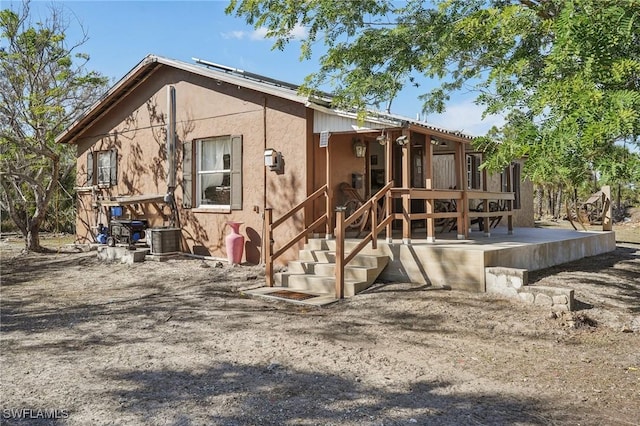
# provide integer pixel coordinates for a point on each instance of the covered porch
(420, 176)
(434, 220)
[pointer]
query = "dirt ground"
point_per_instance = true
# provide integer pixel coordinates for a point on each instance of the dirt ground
(177, 343)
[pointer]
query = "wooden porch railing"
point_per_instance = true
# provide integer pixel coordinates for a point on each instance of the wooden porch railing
(507, 212)
(378, 223)
(270, 225)
(461, 199)
(430, 197)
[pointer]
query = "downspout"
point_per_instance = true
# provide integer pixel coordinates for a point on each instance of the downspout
(264, 181)
(171, 154)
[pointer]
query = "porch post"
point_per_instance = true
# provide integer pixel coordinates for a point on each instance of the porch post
(268, 246)
(428, 171)
(485, 220)
(510, 202)
(330, 195)
(388, 205)
(463, 207)
(339, 272)
(406, 184)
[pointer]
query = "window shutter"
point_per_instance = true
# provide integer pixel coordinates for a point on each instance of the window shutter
(113, 164)
(236, 172)
(515, 184)
(89, 168)
(187, 174)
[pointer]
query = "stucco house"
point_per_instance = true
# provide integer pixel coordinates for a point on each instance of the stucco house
(192, 146)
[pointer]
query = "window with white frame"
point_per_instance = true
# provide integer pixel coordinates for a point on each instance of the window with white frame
(212, 173)
(213, 159)
(102, 168)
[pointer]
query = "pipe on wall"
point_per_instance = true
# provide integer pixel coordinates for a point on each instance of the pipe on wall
(263, 247)
(171, 139)
(171, 155)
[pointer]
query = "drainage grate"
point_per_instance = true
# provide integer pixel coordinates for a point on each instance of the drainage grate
(292, 295)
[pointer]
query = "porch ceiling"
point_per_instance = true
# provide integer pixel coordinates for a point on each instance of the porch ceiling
(336, 122)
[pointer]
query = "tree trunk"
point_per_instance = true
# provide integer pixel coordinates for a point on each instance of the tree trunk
(619, 197)
(32, 239)
(539, 200)
(558, 203)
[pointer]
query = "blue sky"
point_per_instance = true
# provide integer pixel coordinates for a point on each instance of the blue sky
(121, 33)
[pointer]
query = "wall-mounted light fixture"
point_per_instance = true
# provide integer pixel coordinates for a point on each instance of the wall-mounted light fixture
(402, 140)
(382, 139)
(437, 142)
(273, 159)
(359, 148)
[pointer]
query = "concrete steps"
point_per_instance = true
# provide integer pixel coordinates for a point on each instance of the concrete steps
(315, 270)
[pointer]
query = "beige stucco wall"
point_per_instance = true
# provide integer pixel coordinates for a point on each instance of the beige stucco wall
(204, 108)
(136, 125)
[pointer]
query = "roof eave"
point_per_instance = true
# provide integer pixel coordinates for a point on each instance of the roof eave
(105, 100)
(151, 62)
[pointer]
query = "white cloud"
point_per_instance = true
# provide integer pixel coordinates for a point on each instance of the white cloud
(298, 32)
(259, 34)
(466, 117)
(239, 35)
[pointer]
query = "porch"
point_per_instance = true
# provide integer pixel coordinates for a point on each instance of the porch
(460, 264)
(337, 263)
(447, 262)
(439, 230)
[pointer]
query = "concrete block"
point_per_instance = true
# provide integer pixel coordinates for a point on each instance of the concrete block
(542, 299)
(516, 282)
(560, 300)
(502, 290)
(505, 281)
(133, 256)
(559, 297)
(122, 254)
(526, 297)
(501, 280)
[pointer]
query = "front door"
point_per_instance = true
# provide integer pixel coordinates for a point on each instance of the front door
(376, 170)
(418, 165)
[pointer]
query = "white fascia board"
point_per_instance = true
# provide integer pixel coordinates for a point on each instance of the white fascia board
(351, 124)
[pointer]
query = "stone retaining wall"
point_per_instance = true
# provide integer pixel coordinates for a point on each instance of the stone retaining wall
(513, 283)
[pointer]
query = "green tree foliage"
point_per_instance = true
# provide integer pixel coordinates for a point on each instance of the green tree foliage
(564, 73)
(43, 86)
